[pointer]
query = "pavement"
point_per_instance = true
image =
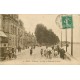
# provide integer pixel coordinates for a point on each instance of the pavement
(24, 58)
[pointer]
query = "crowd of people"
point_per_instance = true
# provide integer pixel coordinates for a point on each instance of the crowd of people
(54, 51)
(9, 53)
(50, 52)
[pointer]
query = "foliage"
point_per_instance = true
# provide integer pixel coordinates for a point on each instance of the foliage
(45, 36)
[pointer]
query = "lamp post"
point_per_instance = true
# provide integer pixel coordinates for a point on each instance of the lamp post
(72, 41)
(67, 22)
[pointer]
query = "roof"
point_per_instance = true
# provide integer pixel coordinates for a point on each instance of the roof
(2, 34)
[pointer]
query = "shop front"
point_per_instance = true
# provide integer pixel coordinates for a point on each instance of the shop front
(3, 44)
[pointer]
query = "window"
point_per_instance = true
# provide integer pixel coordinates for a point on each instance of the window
(4, 40)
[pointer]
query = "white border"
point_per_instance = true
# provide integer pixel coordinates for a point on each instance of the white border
(40, 72)
(40, 6)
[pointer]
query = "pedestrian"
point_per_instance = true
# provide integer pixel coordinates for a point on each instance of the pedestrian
(41, 52)
(52, 52)
(14, 53)
(46, 52)
(62, 53)
(52, 47)
(10, 53)
(49, 54)
(5, 55)
(55, 53)
(12, 50)
(31, 51)
(58, 49)
(19, 49)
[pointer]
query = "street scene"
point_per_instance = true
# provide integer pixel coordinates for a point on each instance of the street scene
(39, 39)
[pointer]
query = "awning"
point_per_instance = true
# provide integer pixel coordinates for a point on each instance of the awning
(2, 34)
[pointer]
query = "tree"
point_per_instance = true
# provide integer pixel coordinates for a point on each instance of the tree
(45, 36)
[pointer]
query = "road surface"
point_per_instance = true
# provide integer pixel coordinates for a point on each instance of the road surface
(24, 58)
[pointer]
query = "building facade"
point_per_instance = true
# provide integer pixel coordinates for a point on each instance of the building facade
(9, 27)
(13, 34)
(13, 29)
(20, 33)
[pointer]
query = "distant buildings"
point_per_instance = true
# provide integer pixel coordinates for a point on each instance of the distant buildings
(30, 40)
(12, 32)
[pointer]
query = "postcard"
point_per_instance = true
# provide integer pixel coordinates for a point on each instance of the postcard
(39, 39)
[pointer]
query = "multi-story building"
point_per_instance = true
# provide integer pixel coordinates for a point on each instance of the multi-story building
(11, 31)
(21, 31)
(13, 34)
(9, 27)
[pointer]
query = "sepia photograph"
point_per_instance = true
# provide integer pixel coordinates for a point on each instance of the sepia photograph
(39, 39)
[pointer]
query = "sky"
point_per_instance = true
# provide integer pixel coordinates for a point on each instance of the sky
(31, 20)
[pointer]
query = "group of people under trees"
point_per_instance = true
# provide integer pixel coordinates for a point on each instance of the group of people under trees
(53, 52)
(50, 52)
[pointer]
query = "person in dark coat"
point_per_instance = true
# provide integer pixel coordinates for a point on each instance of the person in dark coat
(58, 49)
(41, 52)
(19, 49)
(31, 51)
(62, 53)
(13, 50)
(49, 53)
(52, 47)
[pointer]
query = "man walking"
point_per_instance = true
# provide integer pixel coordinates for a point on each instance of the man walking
(31, 51)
